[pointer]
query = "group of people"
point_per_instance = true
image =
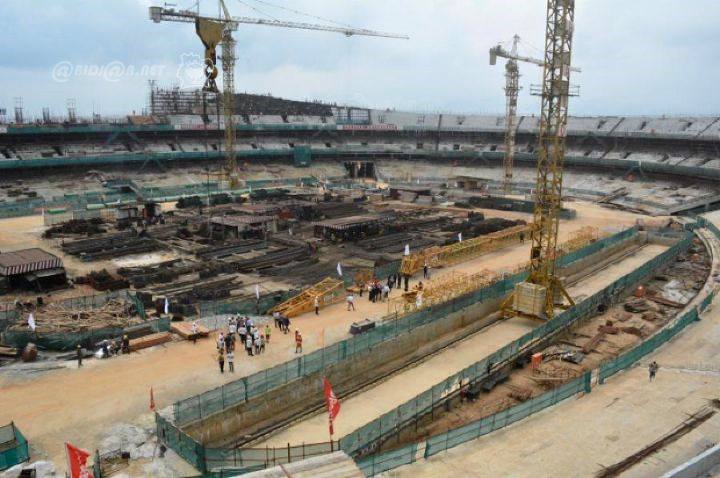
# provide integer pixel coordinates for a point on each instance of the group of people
(282, 322)
(378, 291)
(251, 337)
(110, 347)
(396, 280)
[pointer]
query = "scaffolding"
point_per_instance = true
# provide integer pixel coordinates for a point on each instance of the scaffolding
(328, 291)
(437, 256)
(174, 101)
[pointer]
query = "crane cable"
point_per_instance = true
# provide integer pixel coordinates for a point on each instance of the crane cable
(259, 11)
(298, 12)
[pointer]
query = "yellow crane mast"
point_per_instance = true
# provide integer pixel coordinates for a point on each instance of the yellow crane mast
(512, 87)
(539, 294)
(214, 31)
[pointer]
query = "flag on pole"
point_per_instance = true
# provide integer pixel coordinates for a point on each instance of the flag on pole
(333, 404)
(167, 306)
(77, 462)
(407, 249)
(31, 321)
(339, 269)
(152, 400)
(257, 291)
(459, 236)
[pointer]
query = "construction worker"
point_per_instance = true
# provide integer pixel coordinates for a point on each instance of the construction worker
(350, 302)
(298, 342)
(193, 334)
(652, 369)
(125, 344)
(425, 271)
(276, 317)
(79, 355)
(267, 333)
(221, 360)
(249, 345)
(317, 305)
(231, 360)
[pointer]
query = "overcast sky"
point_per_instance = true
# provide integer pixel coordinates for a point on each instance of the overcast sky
(637, 56)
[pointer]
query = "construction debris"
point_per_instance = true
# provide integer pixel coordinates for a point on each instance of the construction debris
(56, 317)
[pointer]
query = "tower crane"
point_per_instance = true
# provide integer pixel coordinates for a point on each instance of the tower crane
(512, 77)
(214, 31)
(538, 295)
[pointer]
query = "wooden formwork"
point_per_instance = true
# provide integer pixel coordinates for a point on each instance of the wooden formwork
(328, 291)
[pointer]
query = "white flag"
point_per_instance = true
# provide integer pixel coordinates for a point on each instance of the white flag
(339, 269)
(257, 291)
(31, 321)
(167, 306)
(459, 236)
(407, 249)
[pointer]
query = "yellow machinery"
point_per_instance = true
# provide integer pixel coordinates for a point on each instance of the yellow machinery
(328, 291)
(538, 296)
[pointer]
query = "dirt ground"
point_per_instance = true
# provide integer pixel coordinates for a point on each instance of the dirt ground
(78, 405)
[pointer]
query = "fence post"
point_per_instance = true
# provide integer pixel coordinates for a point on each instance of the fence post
(586, 381)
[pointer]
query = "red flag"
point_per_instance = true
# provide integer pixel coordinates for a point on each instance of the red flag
(77, 460)
(333, 404)
(152, 400)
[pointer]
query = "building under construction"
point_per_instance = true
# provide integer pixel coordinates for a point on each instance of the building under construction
(241, 263)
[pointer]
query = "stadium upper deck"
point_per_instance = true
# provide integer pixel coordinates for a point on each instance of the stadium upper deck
(688, 142)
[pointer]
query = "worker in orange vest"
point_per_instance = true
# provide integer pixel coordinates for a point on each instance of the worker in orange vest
(298, 342)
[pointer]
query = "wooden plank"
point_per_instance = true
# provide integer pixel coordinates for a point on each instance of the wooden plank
(150, 341)
(184, 330)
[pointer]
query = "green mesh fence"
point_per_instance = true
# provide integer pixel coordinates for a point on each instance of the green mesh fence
(385, 270)
(233, 393)
(382, 462)
(63, 341)
(713, 228)
(215, 400)
(14, 448)
(365, 437)
(246, 306)
(249, 459)
(192, 451)
(406, 455)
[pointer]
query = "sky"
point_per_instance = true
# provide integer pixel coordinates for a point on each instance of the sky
(638, 57)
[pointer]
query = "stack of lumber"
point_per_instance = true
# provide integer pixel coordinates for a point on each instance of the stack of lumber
(149, 341)
(184, 330)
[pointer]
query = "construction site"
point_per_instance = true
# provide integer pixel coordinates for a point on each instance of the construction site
(238, 284)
